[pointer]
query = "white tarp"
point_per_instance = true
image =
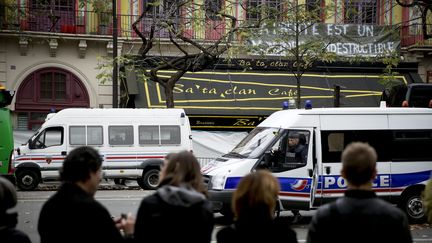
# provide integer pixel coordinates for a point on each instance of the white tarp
(211, 144)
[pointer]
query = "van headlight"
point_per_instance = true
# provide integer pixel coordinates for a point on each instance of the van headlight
(218, 182)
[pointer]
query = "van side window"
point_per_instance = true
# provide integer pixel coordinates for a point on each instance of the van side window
(78, 135)
(148, 134)
(95, 135)
(334, 142)
(52, 136)
(170, 134)
(120, 135)
(412, 145)
(290, 151)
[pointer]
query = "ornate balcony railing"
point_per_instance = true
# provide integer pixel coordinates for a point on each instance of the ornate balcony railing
(18, 18)
(49, 20)
(413, 35)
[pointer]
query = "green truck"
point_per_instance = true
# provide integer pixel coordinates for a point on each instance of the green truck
(6, 135)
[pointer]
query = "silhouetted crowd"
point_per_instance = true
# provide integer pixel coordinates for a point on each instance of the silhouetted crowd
(179, 210)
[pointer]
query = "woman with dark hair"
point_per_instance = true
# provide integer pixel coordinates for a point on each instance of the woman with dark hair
(254, 203)
(180, 204)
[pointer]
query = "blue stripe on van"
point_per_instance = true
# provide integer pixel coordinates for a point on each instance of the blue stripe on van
(381, 181)
(406, 179)
(287, 184)
(337, 182)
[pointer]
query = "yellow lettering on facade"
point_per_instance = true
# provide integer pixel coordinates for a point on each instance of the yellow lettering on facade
(273, 91)
(213, 91)
(244, 122)
(178, 88)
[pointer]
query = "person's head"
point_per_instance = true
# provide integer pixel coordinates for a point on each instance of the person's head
(293, 139)
(359, 164)
(183, 168)
(256, 196)
(82, 166)
(8, 198)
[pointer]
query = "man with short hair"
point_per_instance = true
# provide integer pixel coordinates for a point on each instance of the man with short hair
(359, 216)
(72, 215)
(296, 152)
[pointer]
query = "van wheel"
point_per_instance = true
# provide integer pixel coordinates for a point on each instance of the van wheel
(412, 204)
(149, 180)
(27, 180)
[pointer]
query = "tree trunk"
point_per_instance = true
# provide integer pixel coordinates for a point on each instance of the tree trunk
(169, 96)
(298, 77)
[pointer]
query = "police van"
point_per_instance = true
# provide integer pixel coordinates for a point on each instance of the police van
(402, 138)
(132, 143)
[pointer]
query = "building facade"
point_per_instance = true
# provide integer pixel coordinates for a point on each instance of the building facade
(50, 52)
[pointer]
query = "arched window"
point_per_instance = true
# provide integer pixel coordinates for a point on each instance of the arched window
(47, 90)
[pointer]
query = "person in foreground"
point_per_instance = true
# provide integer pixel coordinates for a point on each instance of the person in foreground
(8, 220)
(179, 205)
(254, 203)
(72, 215)
(359, 216)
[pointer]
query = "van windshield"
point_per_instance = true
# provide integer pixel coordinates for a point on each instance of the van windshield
(254, 143)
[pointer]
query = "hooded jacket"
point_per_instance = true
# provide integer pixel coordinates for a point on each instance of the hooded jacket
(180, 213)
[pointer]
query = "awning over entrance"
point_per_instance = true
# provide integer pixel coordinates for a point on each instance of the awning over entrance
(226, 99)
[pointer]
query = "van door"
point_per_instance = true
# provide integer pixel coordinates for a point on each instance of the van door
(334, 142)
(49, 150)
(291, 163)
(316, 189)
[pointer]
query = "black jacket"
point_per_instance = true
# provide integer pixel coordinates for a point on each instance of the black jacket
(265, 231)
(8, 232)
(359, 217)
(73, 216)
(174, 214)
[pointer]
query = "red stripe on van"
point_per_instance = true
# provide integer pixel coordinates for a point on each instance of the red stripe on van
(374, 189)
(38, 158)
(293, 194)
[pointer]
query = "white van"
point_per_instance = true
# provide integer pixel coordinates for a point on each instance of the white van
(132, 142)
(402, 138)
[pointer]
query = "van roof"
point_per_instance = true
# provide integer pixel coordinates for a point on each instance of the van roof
(292, 117)
(358, 110)
(114, 112)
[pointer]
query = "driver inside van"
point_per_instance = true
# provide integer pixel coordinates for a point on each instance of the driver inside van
(292, 150)
(297, 151)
